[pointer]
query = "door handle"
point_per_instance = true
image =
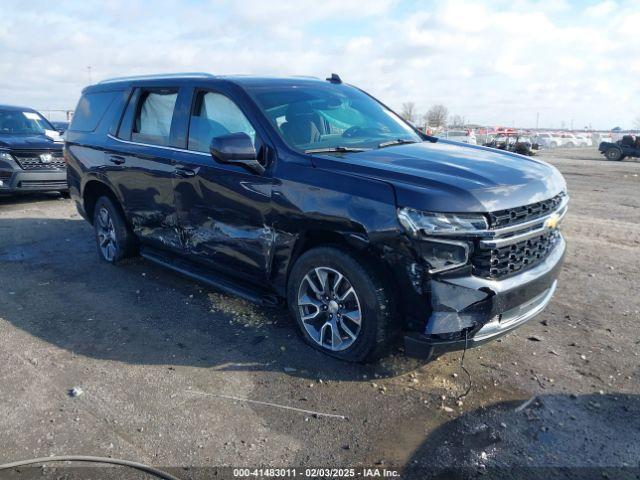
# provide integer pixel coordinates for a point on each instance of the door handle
(184, 172)
(117, 159)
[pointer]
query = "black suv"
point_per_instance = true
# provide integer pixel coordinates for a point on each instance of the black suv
(313, 193)
(30, 153)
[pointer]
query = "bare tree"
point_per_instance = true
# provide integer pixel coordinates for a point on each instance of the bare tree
(408, 111)
(457, 121)
(437, 116)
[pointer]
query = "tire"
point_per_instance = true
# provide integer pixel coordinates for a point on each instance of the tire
(114, 239)
(553, 145)
(613, 154)
(569, 145)
(333, 311)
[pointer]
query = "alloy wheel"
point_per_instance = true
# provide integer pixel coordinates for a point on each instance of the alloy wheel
(329, 308)
(106, 235)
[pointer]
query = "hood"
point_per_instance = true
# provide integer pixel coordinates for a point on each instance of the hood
(447, 176)
(28, 142)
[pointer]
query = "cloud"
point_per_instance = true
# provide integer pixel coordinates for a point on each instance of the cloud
(498, 62)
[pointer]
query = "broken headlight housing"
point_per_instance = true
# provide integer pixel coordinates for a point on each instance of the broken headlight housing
(429, 228)
(443, 255)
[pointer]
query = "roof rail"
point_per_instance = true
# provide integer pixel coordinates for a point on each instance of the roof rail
(159, 76)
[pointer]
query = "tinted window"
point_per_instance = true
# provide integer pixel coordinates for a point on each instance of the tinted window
(214, 115)
(152, 123)
(90, 110)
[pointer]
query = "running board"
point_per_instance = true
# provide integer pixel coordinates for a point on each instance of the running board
(215, 280)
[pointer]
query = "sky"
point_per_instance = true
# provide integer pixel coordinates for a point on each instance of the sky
(512, 63)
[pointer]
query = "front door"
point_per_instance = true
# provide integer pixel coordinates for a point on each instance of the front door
(222, 209)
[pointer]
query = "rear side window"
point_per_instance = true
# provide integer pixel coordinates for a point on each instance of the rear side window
(152, 123)
(214, 115)
(90, 110)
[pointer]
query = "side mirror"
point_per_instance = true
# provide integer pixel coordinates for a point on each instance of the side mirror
(236, 149)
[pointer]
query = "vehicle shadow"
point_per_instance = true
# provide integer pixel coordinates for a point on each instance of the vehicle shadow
(25, 198)
(54, 286)
(553, 436)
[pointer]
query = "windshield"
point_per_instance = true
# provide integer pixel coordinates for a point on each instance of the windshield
(20, 122)
(312, 117)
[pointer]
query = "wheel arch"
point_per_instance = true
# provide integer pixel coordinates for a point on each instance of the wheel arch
(92, 191)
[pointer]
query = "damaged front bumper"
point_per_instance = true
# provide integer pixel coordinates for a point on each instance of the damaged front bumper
(469, 310)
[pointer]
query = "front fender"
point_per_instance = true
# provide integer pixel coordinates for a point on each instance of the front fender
(359, 210)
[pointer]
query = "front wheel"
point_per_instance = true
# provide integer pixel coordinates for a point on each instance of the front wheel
(342, 305)
(613, 154)
(115, 240)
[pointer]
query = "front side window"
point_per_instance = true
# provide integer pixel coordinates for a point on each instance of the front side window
(319, 116)
(16, 122)
(153, 118)
(214, 115)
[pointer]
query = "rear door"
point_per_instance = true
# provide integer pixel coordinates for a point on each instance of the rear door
(222, 209)
(140, 165)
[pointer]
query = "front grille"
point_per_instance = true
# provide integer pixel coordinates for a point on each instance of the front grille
(504, 261)
(32, 160)
(513, 216)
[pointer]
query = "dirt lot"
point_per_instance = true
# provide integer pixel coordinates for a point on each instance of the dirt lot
(174, 374)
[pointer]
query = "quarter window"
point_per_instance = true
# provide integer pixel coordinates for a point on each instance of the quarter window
(90, 110)
(214, 115)
(153, 117)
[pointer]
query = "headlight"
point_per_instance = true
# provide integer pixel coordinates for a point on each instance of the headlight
(415, 221)
(5, 156)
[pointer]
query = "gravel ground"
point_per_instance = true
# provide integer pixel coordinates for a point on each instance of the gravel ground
(173, 374)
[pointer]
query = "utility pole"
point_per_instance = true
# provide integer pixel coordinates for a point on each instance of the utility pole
(537, 120)
(89, 72)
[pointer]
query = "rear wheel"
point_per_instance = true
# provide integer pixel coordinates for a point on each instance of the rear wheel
(115, 240)
(342, 305)
(613, 154)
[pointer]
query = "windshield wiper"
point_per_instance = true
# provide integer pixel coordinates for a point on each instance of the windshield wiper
(397, 141)
(338, 149)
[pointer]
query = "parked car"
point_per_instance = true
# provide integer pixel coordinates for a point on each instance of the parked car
(601, 137)
(629, 146)
(569, 140)
(584, 141)
(61, 127)
(463, 136)
(30, 153)
(314, 194)
(547, 140)
(513, 142)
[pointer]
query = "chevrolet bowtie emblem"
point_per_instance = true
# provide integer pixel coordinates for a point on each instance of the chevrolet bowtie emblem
(552, 222)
